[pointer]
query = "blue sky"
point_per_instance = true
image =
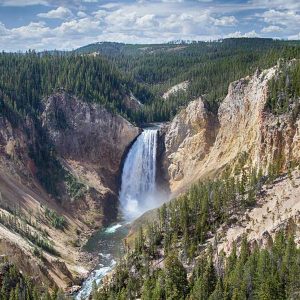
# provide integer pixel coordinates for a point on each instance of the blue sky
(68, 24)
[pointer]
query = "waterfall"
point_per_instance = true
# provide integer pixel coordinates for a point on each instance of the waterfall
(138, 194)
(138, 190)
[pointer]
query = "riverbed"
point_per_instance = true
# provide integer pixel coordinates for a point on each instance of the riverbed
(108, 241)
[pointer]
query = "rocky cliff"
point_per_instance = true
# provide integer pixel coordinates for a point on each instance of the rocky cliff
(188, 139)
(87, 144)
(91, 143)
(200, 144)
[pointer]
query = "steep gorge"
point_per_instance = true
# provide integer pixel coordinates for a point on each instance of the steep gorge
(89, 144)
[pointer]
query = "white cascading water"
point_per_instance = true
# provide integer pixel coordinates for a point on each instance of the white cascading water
(138, 189)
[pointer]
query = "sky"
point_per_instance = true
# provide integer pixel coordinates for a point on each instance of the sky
(69, 24)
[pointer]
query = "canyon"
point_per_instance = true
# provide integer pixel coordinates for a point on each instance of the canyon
(91, 143)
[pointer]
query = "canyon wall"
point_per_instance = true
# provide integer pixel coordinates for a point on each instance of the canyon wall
(200, 144)
(89, 143)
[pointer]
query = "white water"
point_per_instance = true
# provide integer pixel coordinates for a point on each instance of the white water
(94, 277)
(113, 229)
(109, 242)
(138, 192)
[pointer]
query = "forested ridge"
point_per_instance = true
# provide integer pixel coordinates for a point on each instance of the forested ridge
(208, 66)
(145, 70)
(284, 89)
(26, 78)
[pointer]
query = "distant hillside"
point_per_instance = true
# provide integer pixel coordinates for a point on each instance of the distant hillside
(26, 78)
(209, 67)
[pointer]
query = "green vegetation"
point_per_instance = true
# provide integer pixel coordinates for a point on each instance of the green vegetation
(16, 286)
(49, 170)
(56, 220)
(75, 188)
(186, 221)
(145, 70)
(26, 79)
(14, 223)
(254, 273)
(284, 89)
(155, 267)
(208, 66)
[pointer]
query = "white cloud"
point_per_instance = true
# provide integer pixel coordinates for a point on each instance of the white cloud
(3, 30)
(81, 14)
(294, 37)
(110, 5)
(238, 34)
(226, 21)
(100, 14)
(58, 13)
(279, 17)
(271, 28)
(31, 31)
(146, 21)
(276, 4)
(22, 2)
(77, 27)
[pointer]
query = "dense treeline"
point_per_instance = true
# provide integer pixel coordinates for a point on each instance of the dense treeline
(15, 286)
(26, 78)
(253, 273)
(145, 70)
(211, 73)
(284, 89)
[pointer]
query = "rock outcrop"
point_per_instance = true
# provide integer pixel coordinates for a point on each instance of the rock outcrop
(91, 143)
(188, 140)
(278, 209)
(87, 135)
(200, 144)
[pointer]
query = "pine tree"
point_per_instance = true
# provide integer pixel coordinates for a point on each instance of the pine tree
(175, 278)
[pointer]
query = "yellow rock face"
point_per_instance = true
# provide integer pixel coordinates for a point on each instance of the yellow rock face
(200, 144)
